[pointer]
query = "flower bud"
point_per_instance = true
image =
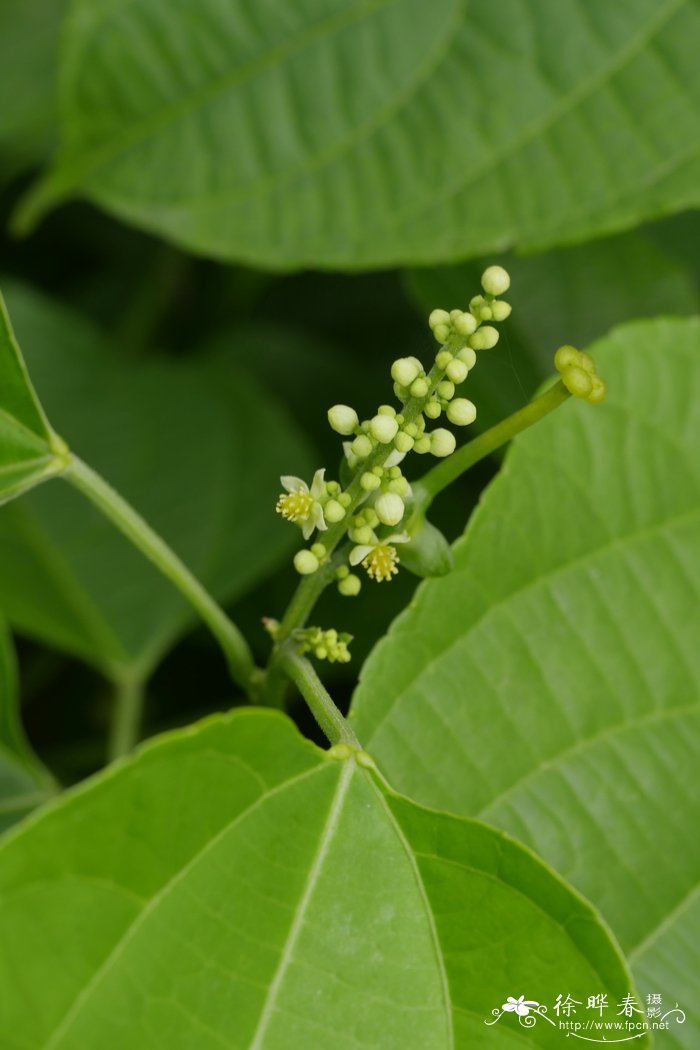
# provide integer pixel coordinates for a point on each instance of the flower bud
(361, 446)
(442, 442)
(500, 310)
(442, 359)
(383, 428)
(362, 535)
(433, 410)
(350, 586)
(467, 355)
(577, 381)
(446, 389)
(441, 333)
(389, 508)
(495, 280)
(333, 511)
(457, 370)
(485, 338)
(422, 445)
(565, 356)
(345, 499)
(465, 324)
(461, 412)
(438, 317)
(342, 419)
(318, 550)
(386, 410)
(599, 389)
(305, 563)
(400, 486)
(419, 388)
(404, 371)
(369, 482)
(586, 362)
(403, 442)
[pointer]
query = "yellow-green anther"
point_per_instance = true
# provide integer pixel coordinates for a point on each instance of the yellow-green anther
(389, 508)
(442, 442)
(461, 412)
(342, 419)
(495, 280)
(305, 563)
(457, 370)
(333, 511)
(383, 428)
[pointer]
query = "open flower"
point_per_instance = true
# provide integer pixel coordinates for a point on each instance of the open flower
(301, 504)
(521, 1006)
(379, 558)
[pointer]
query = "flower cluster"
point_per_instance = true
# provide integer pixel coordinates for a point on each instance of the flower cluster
(328, 645)
(579, 375)
(377, 500)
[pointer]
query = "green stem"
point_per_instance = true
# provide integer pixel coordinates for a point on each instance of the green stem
(442, 475)
(126, 719)
(128, 521)
(329, 718)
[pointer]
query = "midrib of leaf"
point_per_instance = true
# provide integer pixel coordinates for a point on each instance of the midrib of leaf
(627, 540)
(83, 996)
(667, 922)
(31, 438)
(420, 886)
(70, 174)
(89, 614)
(325, 840)
(530, 132)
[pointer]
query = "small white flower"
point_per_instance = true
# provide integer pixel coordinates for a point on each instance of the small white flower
(379, 558)
(300, 503)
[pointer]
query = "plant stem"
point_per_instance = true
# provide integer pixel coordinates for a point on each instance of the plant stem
(442, 475)
(329, 718)
(126, 719)
(128, 521)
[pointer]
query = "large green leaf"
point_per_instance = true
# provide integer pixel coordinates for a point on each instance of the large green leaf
(379, 131)
(28, 71)
(27, 444)
(569, 295)
(24, 783)
(553, 680)
(197, 448)
(235, 886)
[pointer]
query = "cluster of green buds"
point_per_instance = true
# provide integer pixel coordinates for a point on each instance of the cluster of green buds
(579, 375)
(374, 506)
(328, 645)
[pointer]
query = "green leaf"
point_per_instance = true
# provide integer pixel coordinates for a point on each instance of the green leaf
(29, 450)
(28, 68)
(24, 783)
(295, 901)
(196, 447)
(244, 132)
(552, 681)
(571, 295)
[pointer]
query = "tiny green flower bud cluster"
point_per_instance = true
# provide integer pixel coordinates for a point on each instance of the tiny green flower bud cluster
(328, 645)
(579, 375)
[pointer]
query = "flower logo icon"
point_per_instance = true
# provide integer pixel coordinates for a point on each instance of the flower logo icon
(520, 1006)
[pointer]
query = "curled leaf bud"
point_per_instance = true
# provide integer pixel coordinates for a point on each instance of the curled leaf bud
(495, 280)
(383, 428)
(305, 563)
(484, 338)
(350, 586)
(442, 442)
(342, 419)
(404, 371)
(461, 412)
(389, 508)
(457, 370)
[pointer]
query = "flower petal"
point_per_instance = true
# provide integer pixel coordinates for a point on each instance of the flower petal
(317, 517)
(403, 537)
(358, 554)
(394, 458)
(318, 485)
(292, 484)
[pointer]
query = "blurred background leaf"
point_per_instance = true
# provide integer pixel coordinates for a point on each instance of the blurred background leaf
(247, 132)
